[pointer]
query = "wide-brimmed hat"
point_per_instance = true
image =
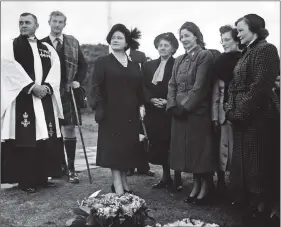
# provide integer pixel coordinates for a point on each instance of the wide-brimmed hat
(170, 37)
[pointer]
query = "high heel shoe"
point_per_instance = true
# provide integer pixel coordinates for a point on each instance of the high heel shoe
(162, 184)
(125, 191)
(190, 199)
(129, 192)
(113, 188)
(204, 201)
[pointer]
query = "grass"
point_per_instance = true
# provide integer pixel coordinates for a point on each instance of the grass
(53, 207)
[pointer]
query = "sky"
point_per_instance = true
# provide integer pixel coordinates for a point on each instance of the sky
(88, 20)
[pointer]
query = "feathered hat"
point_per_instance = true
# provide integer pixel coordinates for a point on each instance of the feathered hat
(131, 37)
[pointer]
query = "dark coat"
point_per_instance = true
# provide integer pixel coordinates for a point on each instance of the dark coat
(255, 120)
(117, 94)
(138, 56)
(157, 121)
(190, 88)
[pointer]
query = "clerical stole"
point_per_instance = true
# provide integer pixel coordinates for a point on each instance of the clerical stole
(25, 134)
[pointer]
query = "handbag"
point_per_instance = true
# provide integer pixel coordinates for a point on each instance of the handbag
(80, 97)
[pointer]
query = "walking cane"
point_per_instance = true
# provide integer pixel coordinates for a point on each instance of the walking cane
(144, 131)
(82, 139)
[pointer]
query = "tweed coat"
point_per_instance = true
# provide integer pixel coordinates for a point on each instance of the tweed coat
(191, 137)
(70, 72)
(256, 122)
(157, 121)
(117, 95)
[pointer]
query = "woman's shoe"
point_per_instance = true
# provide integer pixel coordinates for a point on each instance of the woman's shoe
(113, 188)
(204, 201)
(130, 192)
(29, 190)
(190, 199)
(162, 184)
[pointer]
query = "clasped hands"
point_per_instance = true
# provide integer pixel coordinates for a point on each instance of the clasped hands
(158, 102)
(40, 91)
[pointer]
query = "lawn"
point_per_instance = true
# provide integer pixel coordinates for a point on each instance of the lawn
(53, 207)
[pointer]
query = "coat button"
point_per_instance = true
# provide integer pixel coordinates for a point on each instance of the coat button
(130, 120)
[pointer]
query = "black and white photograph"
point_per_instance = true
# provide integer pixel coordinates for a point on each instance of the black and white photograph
(140, 113)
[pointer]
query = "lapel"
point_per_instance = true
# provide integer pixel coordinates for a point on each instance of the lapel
(250, 48)
(48, 40)
(193, 53)
(168, 69)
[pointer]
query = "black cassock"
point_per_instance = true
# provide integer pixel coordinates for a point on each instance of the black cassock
(23, 159)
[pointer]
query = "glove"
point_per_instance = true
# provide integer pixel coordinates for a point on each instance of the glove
(176, 112)
(216, 126)
(99, 114)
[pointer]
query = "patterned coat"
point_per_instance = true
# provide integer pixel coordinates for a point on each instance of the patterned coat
(191, 136)
(73, 68)
(255, 119)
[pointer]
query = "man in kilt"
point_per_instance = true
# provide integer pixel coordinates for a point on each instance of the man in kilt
(73, 73)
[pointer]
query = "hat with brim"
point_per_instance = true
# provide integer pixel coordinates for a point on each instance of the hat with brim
(169, 36)
(121, 28)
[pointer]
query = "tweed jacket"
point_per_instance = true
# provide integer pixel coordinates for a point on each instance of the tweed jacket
(251, 89)
(77, 71)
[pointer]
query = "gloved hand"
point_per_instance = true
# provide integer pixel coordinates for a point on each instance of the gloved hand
(99, 114)
(216, 126)
(176, 111)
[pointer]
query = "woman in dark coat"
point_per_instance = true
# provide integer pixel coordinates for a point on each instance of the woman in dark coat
(157, 74)
(252, 110)
(117, 92)
(189, 102)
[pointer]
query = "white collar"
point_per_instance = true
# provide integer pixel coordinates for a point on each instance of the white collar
(253, 40)
(128, 52)
(32, 39)
(188, 51)
(53, 38)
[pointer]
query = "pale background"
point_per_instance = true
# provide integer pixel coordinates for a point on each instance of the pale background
(89, 21)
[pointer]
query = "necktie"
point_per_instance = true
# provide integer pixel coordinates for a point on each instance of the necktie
(59, 45)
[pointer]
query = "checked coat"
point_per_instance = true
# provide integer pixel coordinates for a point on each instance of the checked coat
(252, 109)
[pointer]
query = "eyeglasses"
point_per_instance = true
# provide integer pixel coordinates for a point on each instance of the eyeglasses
(226, 40)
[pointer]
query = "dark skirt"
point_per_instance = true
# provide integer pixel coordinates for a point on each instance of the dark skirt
(191, 147)
(30, 164)
(158, 125)
(69, 110)
(159, 152)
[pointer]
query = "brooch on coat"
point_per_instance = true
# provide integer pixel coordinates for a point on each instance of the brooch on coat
(44, 53)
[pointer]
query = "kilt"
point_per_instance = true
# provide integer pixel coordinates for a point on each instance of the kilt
(69, 111)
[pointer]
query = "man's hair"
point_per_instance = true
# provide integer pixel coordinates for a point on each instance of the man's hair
(57, 13)
(27, 14)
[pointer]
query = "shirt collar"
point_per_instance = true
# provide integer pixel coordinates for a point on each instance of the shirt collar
(32, 39)
(253, 40)
(52, 38)
(128, 52)
(192, 53)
